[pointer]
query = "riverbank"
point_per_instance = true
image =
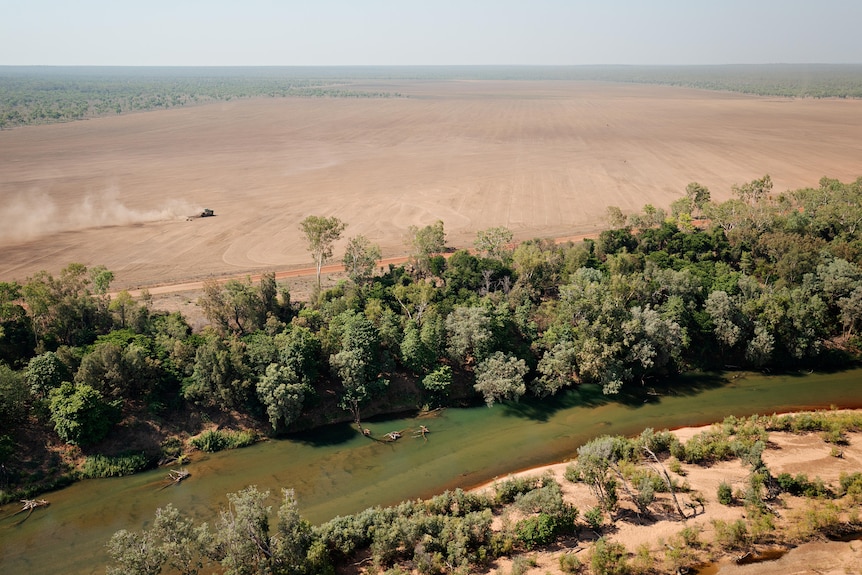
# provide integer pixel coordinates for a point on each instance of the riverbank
(789, 533)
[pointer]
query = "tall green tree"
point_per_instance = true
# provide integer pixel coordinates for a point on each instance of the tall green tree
(320, 234)
(80, 414)
(424, 243)
(494, 242)
(357, 365)
(501, 377)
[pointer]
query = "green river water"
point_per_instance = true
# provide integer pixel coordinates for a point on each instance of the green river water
(336, 471)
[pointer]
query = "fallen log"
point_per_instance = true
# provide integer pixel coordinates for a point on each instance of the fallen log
(177, 475)
(29, 505)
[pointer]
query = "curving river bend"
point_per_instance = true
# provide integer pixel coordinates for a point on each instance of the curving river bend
(336, 471)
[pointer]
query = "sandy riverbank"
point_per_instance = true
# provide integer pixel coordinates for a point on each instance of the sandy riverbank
(786, 453)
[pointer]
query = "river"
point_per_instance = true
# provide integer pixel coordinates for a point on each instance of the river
(336, 471)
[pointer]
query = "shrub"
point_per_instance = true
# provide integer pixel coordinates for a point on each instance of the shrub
(595, 518)
(725, 493)
(801, 486)
(548, 499)
(569, 563)
(572, 473)
(851, 485)
(509, 489)
(522, 564)
(730, 535)
(609, 558)
(537, 530)
(816, 518)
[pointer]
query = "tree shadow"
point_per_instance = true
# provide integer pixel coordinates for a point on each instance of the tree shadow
(541, 409)
(633, 396)
(328, 435)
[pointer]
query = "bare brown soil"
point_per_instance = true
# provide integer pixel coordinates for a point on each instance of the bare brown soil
(543, 158)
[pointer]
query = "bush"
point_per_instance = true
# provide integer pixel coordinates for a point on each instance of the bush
(80, 414)
(521, 564)
(851, 485)
(730, 535)
(725, 493)
(595, 518)
(215, 440)
(509, 489)
(538, 530)
(569, 563)
(801, 486)
(609, 558)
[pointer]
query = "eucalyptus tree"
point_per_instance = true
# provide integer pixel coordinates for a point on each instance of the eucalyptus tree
(360, 258)
(320, 234)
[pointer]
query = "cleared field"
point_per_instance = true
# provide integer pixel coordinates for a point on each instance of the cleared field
(543, 158)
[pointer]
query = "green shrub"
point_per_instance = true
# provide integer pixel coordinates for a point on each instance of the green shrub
(595, 518)
(537, 530)
(569, 563)
(730, 535)
(609, 558)
(725, 493)
(509, 489)
(851, 485)
(801, 486)
(572, 473)
(117, 466)
(216, 440)
(522, 564)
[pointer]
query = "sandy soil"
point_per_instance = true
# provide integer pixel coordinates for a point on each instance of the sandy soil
(790, 453)
(543, 158)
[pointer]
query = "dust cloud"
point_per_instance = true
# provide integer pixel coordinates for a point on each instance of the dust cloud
(29, 216)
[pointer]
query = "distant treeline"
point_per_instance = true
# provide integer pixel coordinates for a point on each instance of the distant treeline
(36, 95)
(39, 95)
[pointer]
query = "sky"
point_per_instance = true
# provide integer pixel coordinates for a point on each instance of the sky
(427, 32)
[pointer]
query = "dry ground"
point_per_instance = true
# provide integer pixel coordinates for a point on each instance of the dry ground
(543, 158)
(789, 453)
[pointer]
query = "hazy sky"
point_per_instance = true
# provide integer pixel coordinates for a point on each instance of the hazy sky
(404, 32)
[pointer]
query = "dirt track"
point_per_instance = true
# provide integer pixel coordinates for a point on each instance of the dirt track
(543, 158)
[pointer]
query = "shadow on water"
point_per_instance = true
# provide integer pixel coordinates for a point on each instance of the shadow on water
(330, 435)
(542, 409)
(591, 395)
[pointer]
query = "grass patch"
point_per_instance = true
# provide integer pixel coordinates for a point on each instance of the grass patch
(115, 466)
(216, 440)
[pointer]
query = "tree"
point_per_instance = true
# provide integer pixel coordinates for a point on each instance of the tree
(135, 553)
(242, 533)
(558, 367)
(494, 242)
(754, 191)
(438, 381)
(469, 332)
(320, 233)
(14, 398)
(415, 355)
(220, 376)
(283, 393)
(360, 258)
(80, 414)
(357, 364)
(501, 377)
(616, 218)
(16, 336)
(293, 538)
(46, 372)
(424, 243)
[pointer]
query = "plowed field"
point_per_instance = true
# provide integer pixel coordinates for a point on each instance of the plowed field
(543, 158)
